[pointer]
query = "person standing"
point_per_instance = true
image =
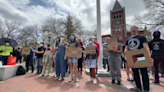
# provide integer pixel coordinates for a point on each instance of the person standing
(98, 47)
(54, 57)
(106, 54)
(18, 55)
(5, 52)
(61, 58)
(91, 62)
(40, 51)
(115, 64)
(73, 61)
(29, 58)
(80, 60)
(49, 61)
(155, 46)
(137, 41)
(127, 66)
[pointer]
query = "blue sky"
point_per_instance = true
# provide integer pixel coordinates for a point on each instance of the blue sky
(30, 12)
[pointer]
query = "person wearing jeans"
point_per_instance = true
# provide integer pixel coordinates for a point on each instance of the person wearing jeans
(137, 41)
(40, 52)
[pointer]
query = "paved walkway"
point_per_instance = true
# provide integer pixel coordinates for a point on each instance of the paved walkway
(34, 83)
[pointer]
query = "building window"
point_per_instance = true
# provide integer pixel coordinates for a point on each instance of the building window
(121, 21)
(120, 38)
(116, 30)
(113, 23)
(119, 30)
(120, 16)
(117, 16)
(114, 17)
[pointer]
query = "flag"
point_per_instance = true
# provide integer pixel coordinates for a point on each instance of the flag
(139, 59)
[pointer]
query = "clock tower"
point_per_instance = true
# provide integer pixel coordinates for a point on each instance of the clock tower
(118, 22)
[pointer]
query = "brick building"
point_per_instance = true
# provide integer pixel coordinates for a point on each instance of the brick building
(119, 28)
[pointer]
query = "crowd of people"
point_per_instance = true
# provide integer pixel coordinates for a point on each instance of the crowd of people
(113, 59)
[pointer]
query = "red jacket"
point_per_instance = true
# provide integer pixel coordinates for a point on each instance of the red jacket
(98, 47)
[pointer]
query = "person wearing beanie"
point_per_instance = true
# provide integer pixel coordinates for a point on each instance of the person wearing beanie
(156, 46)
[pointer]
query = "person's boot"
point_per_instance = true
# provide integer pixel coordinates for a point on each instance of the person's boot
(113, 82)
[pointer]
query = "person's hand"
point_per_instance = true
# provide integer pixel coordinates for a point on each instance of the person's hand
(54, 56)
(5, 49)
(37, 51)
(114, 50)
(30, 47)
(65, 58)
(151, 60)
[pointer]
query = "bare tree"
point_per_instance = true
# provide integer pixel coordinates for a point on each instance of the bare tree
(53, 26)
(9, 29)
(154, 18)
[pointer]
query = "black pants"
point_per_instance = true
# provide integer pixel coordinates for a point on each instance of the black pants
(80, 64)
(4, 60)
(145, 78)
(19, 59)
(29, 62)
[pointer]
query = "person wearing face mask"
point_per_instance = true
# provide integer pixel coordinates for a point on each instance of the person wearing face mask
(156, 46)
(91, 62)
(18, 55)
(73, 61)
(40, 51)
(54, 57)
(61, 57)
(49, 61)
(5, 52)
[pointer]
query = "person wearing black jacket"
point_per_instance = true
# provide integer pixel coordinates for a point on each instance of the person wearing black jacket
(18, 55)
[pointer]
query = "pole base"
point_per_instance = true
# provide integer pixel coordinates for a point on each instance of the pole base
(101, 73)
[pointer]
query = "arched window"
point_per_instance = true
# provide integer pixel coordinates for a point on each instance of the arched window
(120, 16)
(117, 16)
(116, 30)
(119, 29)
(114, 17)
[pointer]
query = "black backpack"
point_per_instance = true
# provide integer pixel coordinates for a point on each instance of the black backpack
(20, 71)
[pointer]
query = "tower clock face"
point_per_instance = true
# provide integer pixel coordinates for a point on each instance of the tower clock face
(117, 22)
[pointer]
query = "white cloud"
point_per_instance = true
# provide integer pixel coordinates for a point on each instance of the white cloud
(85, 10)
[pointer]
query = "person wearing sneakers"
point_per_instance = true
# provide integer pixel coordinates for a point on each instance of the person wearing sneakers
(73, 61)
(137, 41)
(156, 46)
(98, 47)
(91, 62)
(49, 62)
(127, 66)
(115, 63)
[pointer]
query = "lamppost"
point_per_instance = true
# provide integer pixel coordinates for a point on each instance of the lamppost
(49, 38)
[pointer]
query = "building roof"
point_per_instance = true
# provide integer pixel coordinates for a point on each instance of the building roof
(117, 7)
(108, 31)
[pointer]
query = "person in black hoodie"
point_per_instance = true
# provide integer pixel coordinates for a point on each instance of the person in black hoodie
(156, 46)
